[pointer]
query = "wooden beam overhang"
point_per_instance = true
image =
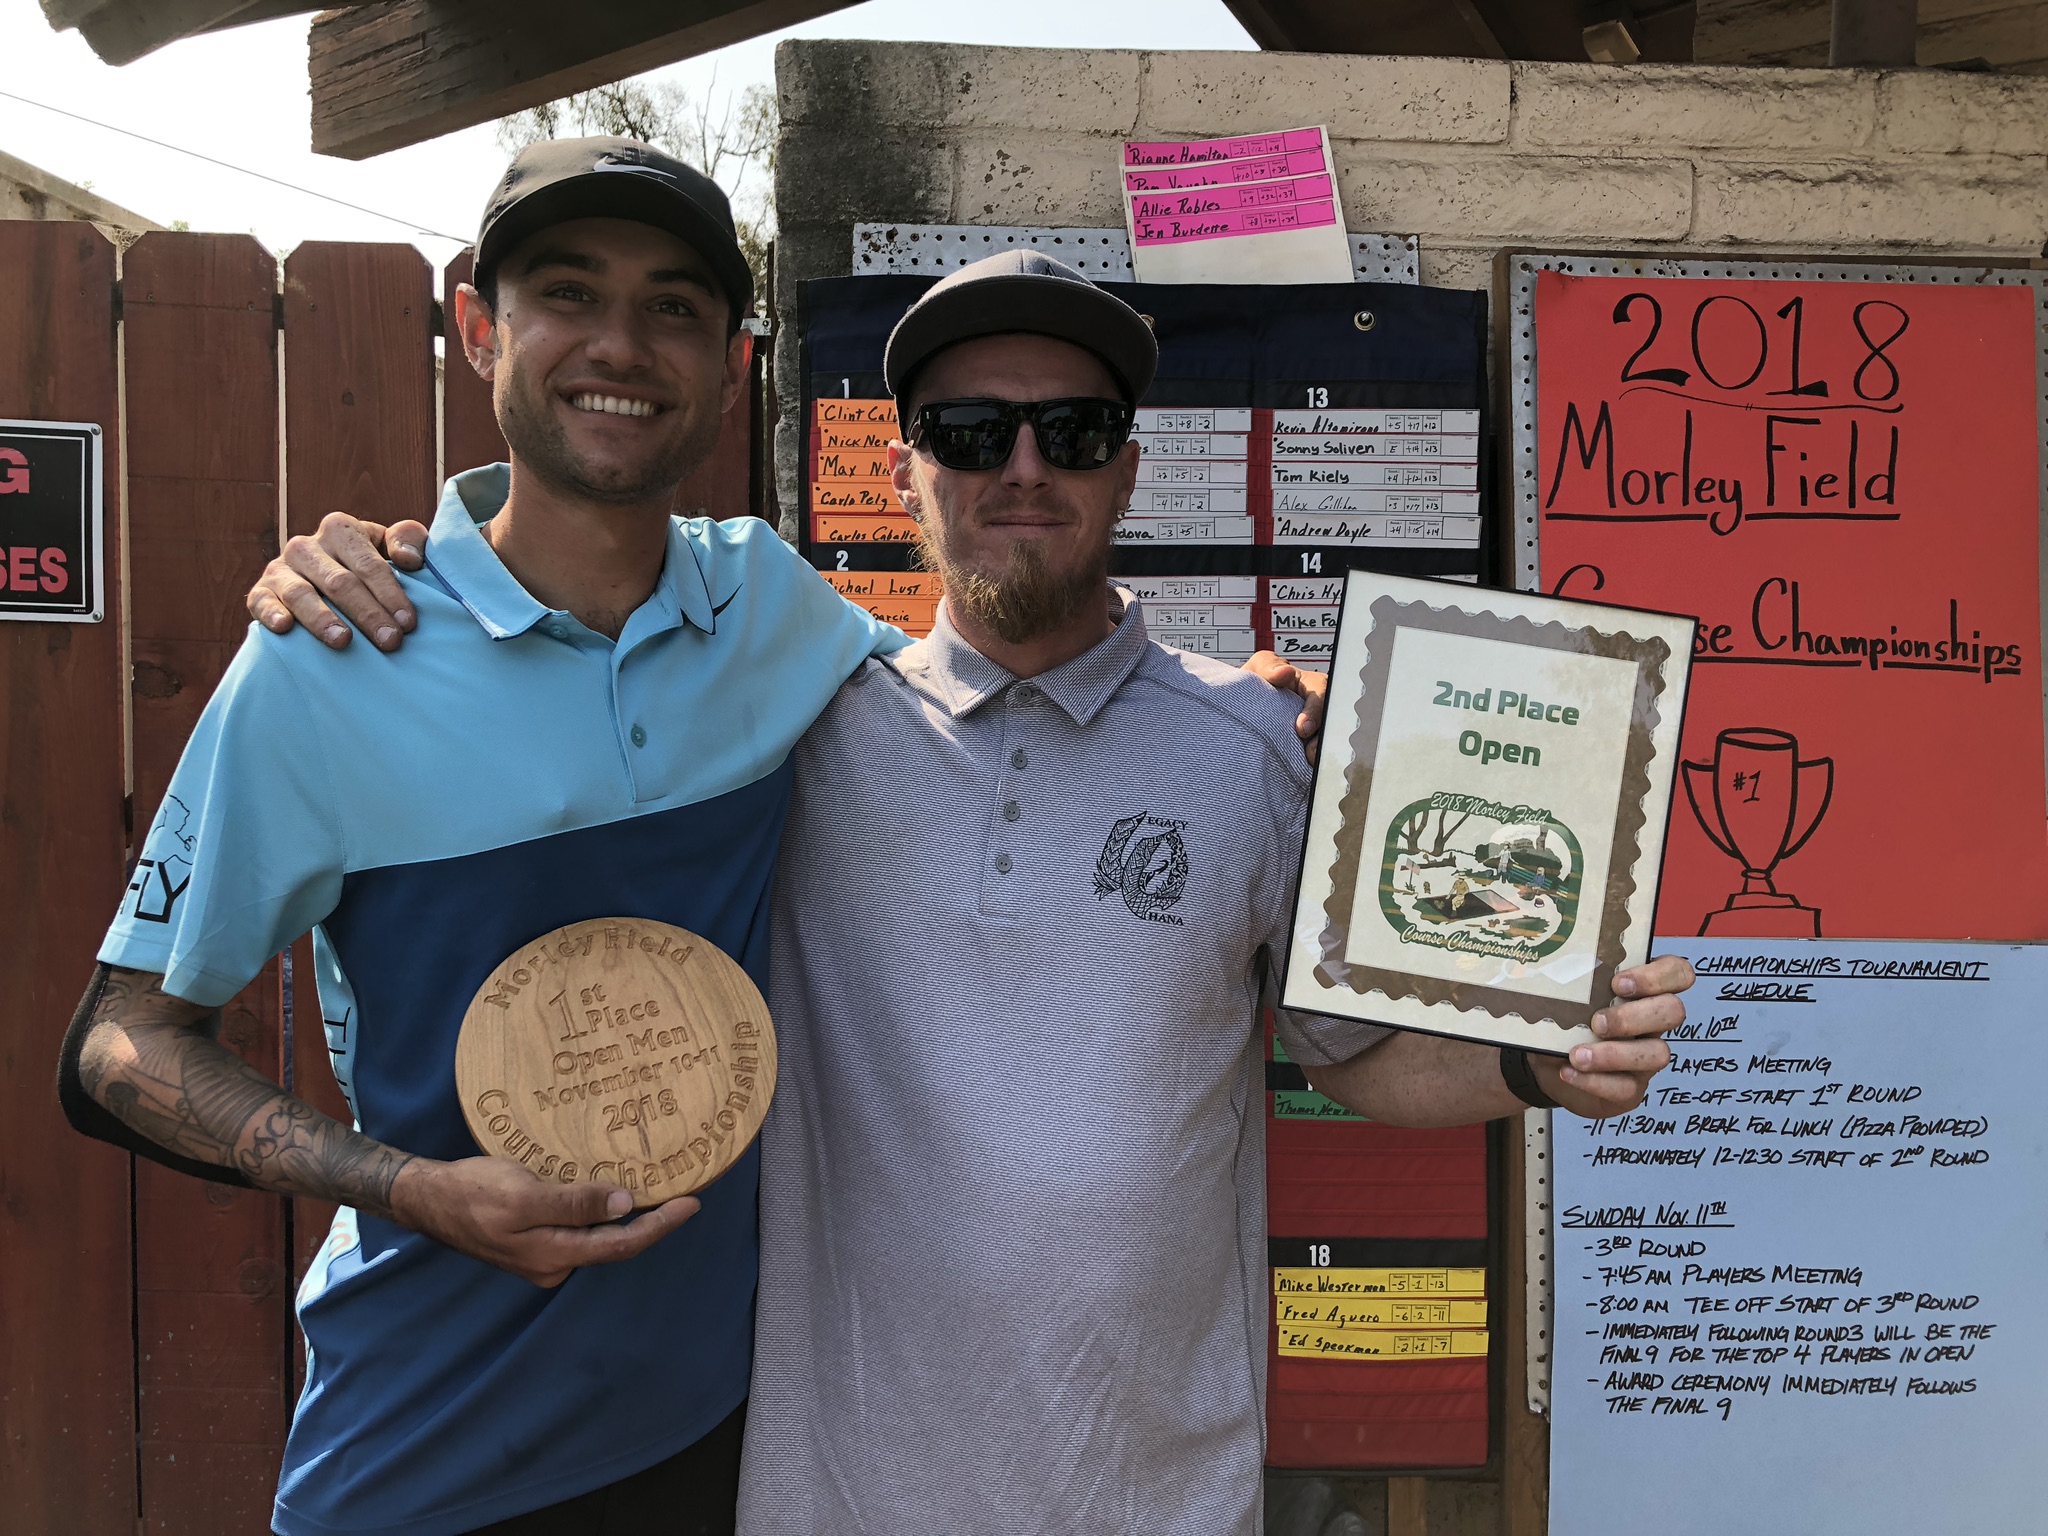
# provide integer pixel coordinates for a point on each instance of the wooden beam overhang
(1514, 29)
(122, 31)
(392, 74)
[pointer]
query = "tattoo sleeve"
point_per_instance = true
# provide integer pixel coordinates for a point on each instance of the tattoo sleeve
(153, 1061)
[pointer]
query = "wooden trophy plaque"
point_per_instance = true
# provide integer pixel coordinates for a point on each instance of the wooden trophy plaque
(618, 1050)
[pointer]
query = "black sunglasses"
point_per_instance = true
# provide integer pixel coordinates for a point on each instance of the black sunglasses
(1077, 433)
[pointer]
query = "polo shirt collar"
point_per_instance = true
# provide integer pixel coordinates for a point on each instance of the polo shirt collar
(460, 555)
(964, 679)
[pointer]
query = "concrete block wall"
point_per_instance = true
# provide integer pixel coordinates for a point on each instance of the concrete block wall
(1470, 155)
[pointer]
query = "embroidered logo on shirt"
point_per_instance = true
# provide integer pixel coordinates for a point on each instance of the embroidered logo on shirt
(1148, 868)
(161, 879)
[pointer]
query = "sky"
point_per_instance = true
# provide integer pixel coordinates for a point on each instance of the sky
(240, 96)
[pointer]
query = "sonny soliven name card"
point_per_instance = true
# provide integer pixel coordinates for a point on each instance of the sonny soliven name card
(1488, 817)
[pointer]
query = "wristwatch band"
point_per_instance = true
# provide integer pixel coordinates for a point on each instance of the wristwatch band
(1520, 1077)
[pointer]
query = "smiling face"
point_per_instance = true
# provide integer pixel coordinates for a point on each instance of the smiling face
(610, 357)
(1025, 546)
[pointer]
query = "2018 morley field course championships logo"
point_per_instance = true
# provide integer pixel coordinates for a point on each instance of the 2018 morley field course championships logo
(1465, 873)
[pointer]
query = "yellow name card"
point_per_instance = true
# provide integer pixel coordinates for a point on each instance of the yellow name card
(1380, 1344)
(1379, 1312)
(1379, 1282)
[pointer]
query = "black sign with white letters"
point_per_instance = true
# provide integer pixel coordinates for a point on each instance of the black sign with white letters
(52, 556)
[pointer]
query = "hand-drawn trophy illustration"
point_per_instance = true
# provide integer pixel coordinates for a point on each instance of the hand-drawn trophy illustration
(1759, 803)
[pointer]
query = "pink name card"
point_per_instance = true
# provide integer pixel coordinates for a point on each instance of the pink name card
(1207, 200)
(1197, 151)
(1242, 221)
(1226, 173)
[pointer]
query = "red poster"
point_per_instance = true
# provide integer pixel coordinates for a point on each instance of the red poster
(1842, 481)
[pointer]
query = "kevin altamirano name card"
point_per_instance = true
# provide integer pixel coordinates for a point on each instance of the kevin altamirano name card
(1488, 818)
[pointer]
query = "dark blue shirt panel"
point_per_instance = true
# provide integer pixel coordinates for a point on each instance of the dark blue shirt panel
(487, 1390)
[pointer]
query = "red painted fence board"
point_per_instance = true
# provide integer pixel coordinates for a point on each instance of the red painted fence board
(359, 437)
(67, 1368)
(213, 1284)
(469, 427)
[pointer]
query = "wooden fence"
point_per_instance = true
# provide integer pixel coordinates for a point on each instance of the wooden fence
(148, 1359)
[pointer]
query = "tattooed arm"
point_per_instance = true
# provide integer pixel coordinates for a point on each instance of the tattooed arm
(152, 1060)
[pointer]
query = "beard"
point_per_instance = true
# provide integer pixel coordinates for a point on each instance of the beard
(1027, 599)
(537, 439)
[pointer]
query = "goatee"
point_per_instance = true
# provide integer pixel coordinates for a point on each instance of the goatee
(1028, 600)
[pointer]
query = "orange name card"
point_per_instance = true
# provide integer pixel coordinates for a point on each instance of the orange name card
(852, 464)
(886, 585)
(867, 436)
(830, 413)
(855, 496)
(914, 616)
(828, 528)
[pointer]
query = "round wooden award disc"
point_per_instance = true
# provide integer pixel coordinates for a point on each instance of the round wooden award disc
(618, 1050)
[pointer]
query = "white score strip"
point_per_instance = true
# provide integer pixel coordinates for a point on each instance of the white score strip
(1153, 471)
(1173, 501)
(1386, 478)
(1404, 532)
(1451, 477)
(1191, 478)
(1317, 499)
(1193, 418)
(1210, 615)
(1163, 529)
(1347, 422)
(1192, 589)
(1345, 446)
(1193, 445)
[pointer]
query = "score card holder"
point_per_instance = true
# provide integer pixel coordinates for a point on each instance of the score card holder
(1236, 481)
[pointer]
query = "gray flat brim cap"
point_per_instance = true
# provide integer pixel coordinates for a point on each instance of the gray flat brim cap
(1028, 292)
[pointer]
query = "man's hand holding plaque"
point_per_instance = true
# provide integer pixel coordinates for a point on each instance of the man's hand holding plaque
(617, 1051)
(498, 1212)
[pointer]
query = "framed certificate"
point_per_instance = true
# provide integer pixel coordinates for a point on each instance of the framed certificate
(1488, 818)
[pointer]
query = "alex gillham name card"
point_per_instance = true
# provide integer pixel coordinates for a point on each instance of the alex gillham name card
(1488, 820)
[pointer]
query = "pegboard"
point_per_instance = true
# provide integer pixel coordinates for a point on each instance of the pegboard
(1103, 254)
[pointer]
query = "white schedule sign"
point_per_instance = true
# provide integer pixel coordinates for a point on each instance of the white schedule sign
(1801, 1291)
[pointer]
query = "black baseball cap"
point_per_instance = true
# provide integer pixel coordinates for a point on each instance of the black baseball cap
(1022, 291)
(552, 181)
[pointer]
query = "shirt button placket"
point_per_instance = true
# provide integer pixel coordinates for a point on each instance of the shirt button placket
(998, 891)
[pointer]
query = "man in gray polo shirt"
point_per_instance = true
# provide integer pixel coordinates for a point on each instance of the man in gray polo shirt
(1012, 1198)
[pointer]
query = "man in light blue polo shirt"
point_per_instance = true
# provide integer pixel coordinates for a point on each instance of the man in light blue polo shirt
(595, 720)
